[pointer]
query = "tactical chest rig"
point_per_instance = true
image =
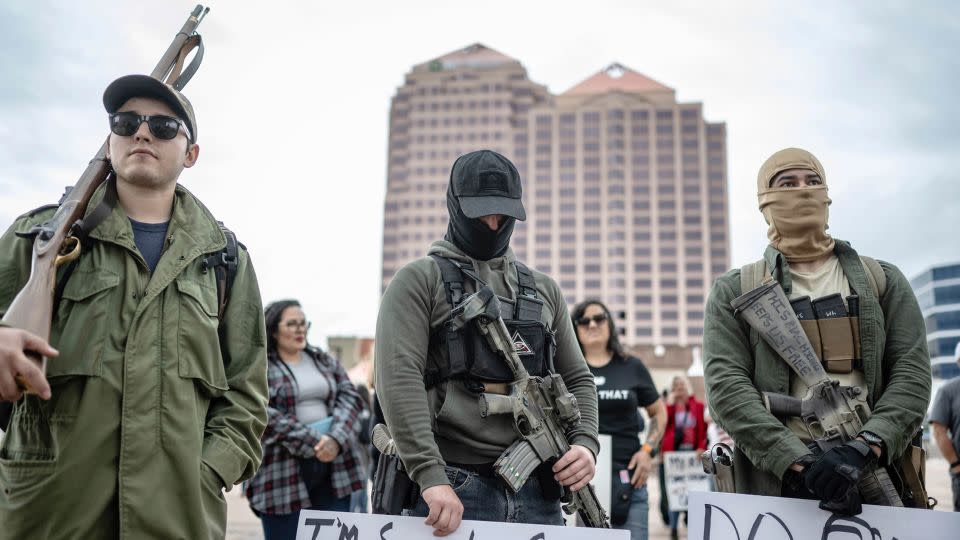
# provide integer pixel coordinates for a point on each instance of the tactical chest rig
(835, 338)
(469, 357)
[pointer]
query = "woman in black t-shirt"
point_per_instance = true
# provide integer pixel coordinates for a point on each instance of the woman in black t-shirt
(623, 385)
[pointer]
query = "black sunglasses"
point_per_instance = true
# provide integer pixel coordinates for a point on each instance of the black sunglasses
(598, 318)
(163, 127)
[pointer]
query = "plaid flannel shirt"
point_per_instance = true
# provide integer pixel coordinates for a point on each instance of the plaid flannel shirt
(277, 487)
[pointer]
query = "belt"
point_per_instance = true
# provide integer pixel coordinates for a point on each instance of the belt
(482, 469)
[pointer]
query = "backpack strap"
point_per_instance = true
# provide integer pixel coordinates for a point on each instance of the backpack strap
(452, 275)
(528, 285)
(224, 264)
(753, 275)
(456, 366)
(875, 276)
(528, 307)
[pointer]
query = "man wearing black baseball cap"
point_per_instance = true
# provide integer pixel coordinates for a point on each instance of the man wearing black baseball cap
(447, 446)
(154, 399)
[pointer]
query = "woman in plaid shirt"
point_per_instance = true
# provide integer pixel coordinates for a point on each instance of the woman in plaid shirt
(311, 455)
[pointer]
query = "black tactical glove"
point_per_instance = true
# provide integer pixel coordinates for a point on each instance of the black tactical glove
(834, 476)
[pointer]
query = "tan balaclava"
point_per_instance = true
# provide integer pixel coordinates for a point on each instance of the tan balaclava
(797, 216)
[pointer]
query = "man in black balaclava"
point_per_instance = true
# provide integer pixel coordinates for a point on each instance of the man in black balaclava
(483, 200)
(430, 375)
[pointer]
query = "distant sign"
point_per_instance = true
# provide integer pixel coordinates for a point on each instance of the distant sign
(317, 525)
(683, 473)
(726, 516)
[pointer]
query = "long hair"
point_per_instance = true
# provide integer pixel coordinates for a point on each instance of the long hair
(272, 315)
(613, 343)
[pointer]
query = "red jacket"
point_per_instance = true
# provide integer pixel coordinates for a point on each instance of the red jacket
(695, 409)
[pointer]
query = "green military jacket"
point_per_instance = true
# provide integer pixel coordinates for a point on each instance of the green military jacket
(150, 417)
(738, 366)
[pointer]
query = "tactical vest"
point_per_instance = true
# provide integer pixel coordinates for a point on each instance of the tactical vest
(836, 340)
(468, 355)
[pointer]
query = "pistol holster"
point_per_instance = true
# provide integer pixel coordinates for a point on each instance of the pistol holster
(393, 490)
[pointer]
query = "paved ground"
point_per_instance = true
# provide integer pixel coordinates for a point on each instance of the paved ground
(243, 525)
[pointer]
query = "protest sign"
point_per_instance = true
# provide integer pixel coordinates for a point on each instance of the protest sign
(683, 473)
(318, 525)
(728, 516)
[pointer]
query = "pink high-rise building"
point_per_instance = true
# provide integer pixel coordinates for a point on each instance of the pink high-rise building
(625, 188)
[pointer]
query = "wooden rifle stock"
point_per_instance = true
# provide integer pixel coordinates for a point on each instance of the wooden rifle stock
(54, 243)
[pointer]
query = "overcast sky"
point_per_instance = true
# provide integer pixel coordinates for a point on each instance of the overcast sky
(292, 104)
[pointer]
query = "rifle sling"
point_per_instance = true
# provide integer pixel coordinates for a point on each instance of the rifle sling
(177, 79)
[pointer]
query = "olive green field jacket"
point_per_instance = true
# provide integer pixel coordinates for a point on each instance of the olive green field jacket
(738, 366)
(150, 418)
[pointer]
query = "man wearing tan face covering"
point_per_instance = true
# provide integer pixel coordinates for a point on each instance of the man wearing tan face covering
(883, 351)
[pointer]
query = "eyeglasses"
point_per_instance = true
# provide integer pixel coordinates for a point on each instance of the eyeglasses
(295, 325)
(163, 127)
(598, 318)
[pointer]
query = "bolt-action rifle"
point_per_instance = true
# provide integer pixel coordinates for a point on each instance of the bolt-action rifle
(832, 414)
(55, 241)
(544, 411)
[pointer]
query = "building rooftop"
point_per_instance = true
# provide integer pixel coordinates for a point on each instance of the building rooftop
(617, 78)
(474, 56)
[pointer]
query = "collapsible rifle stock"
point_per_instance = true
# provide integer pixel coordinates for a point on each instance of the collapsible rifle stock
(54, 242)
(832, 414)
(542, 408)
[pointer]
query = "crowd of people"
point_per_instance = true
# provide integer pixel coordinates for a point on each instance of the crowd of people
(170, 383)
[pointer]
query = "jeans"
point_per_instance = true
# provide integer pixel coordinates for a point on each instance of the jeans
(284, 526)
(664, 505)
(358, 501)
(675, 520)
(955, 484)
(637, 516)
(489, 499)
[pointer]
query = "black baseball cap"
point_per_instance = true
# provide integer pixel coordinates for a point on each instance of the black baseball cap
(486, 183)
(130, 86)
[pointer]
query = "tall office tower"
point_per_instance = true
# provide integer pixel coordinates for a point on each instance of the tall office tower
(627, 202)
(463, 101)
(625, 188)
(938, 292)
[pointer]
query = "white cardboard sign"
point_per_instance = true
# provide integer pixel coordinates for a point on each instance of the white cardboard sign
(727, 516)
(683, 473)
(317, 525)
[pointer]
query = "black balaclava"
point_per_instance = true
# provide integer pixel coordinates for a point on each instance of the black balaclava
(472, 235)
(483, 183)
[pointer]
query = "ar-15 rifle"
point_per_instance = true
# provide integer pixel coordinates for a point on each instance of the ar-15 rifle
(55, 242)
(832, 414)
(542, 408)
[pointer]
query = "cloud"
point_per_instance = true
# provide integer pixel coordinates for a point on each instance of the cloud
(293, 100)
